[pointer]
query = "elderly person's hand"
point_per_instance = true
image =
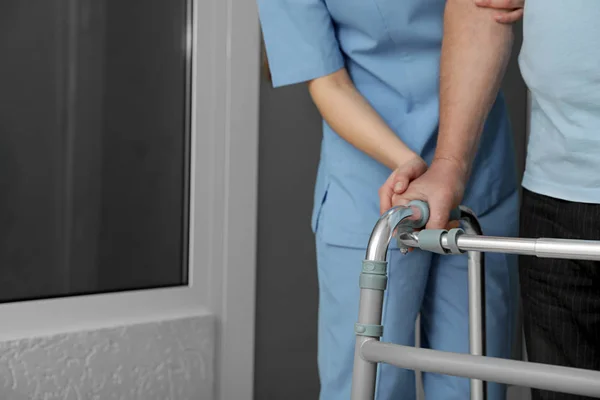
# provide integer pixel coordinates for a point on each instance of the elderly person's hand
(509, 11)
(442, 186)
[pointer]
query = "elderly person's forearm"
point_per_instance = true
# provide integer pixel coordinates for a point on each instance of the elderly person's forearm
(475, 52)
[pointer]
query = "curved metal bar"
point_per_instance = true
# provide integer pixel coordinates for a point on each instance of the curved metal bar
(385, 229)
(371, 297)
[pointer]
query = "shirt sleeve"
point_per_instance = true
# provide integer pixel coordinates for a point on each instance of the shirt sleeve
(300, 40)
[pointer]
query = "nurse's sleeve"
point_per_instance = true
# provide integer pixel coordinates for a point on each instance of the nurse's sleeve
(299, 40)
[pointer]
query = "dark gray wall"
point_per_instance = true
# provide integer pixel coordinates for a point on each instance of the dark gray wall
(286, 342)
(290, 135)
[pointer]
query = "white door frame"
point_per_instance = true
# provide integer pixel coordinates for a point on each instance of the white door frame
(236, 66)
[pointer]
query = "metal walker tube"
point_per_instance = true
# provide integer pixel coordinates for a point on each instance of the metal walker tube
(476, 272)
(400, 221)
(373, 282)
(404, 220)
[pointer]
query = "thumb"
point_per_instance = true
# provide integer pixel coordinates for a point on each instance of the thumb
(405, 176)
(402, 199)
(401, 184)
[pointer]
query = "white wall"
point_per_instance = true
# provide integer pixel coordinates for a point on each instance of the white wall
(160, 360)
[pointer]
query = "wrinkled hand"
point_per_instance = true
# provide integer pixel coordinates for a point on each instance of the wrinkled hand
(399, 180)
(442, 186)
(513, 9)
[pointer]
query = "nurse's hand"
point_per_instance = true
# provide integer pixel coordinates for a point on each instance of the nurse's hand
(399, 180)
(512, 10)
(442, 186)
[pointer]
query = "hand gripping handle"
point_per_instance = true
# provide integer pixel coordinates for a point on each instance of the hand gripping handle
(423, 208)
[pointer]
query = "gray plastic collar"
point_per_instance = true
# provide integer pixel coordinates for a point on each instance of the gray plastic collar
(453, 235)
(373, 281)
(368, 330)
(374, 267)
(431, 240)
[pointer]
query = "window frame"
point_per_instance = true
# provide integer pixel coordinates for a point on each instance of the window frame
(225, 53)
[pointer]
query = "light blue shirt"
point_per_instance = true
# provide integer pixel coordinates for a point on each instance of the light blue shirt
(391, 50)
(560, 62)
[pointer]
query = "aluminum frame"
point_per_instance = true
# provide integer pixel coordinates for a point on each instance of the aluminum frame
(400, 222)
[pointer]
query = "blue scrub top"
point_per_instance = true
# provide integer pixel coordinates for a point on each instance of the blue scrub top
(391, 49)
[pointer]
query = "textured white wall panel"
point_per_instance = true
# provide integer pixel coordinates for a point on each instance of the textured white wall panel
(167, 360)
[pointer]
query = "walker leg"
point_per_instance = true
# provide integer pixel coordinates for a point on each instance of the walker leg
(476, 273)
(373, 281)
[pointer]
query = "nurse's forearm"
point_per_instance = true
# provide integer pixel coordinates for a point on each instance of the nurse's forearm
(352, 117)
(475, 51)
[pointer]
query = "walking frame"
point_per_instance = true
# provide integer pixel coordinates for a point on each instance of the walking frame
(400, 223)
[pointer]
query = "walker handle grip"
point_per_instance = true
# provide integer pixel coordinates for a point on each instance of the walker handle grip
(423, 207)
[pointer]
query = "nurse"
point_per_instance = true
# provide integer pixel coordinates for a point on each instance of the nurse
(372, 68)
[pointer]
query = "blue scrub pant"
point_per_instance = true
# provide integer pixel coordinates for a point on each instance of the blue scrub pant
(420, 282)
